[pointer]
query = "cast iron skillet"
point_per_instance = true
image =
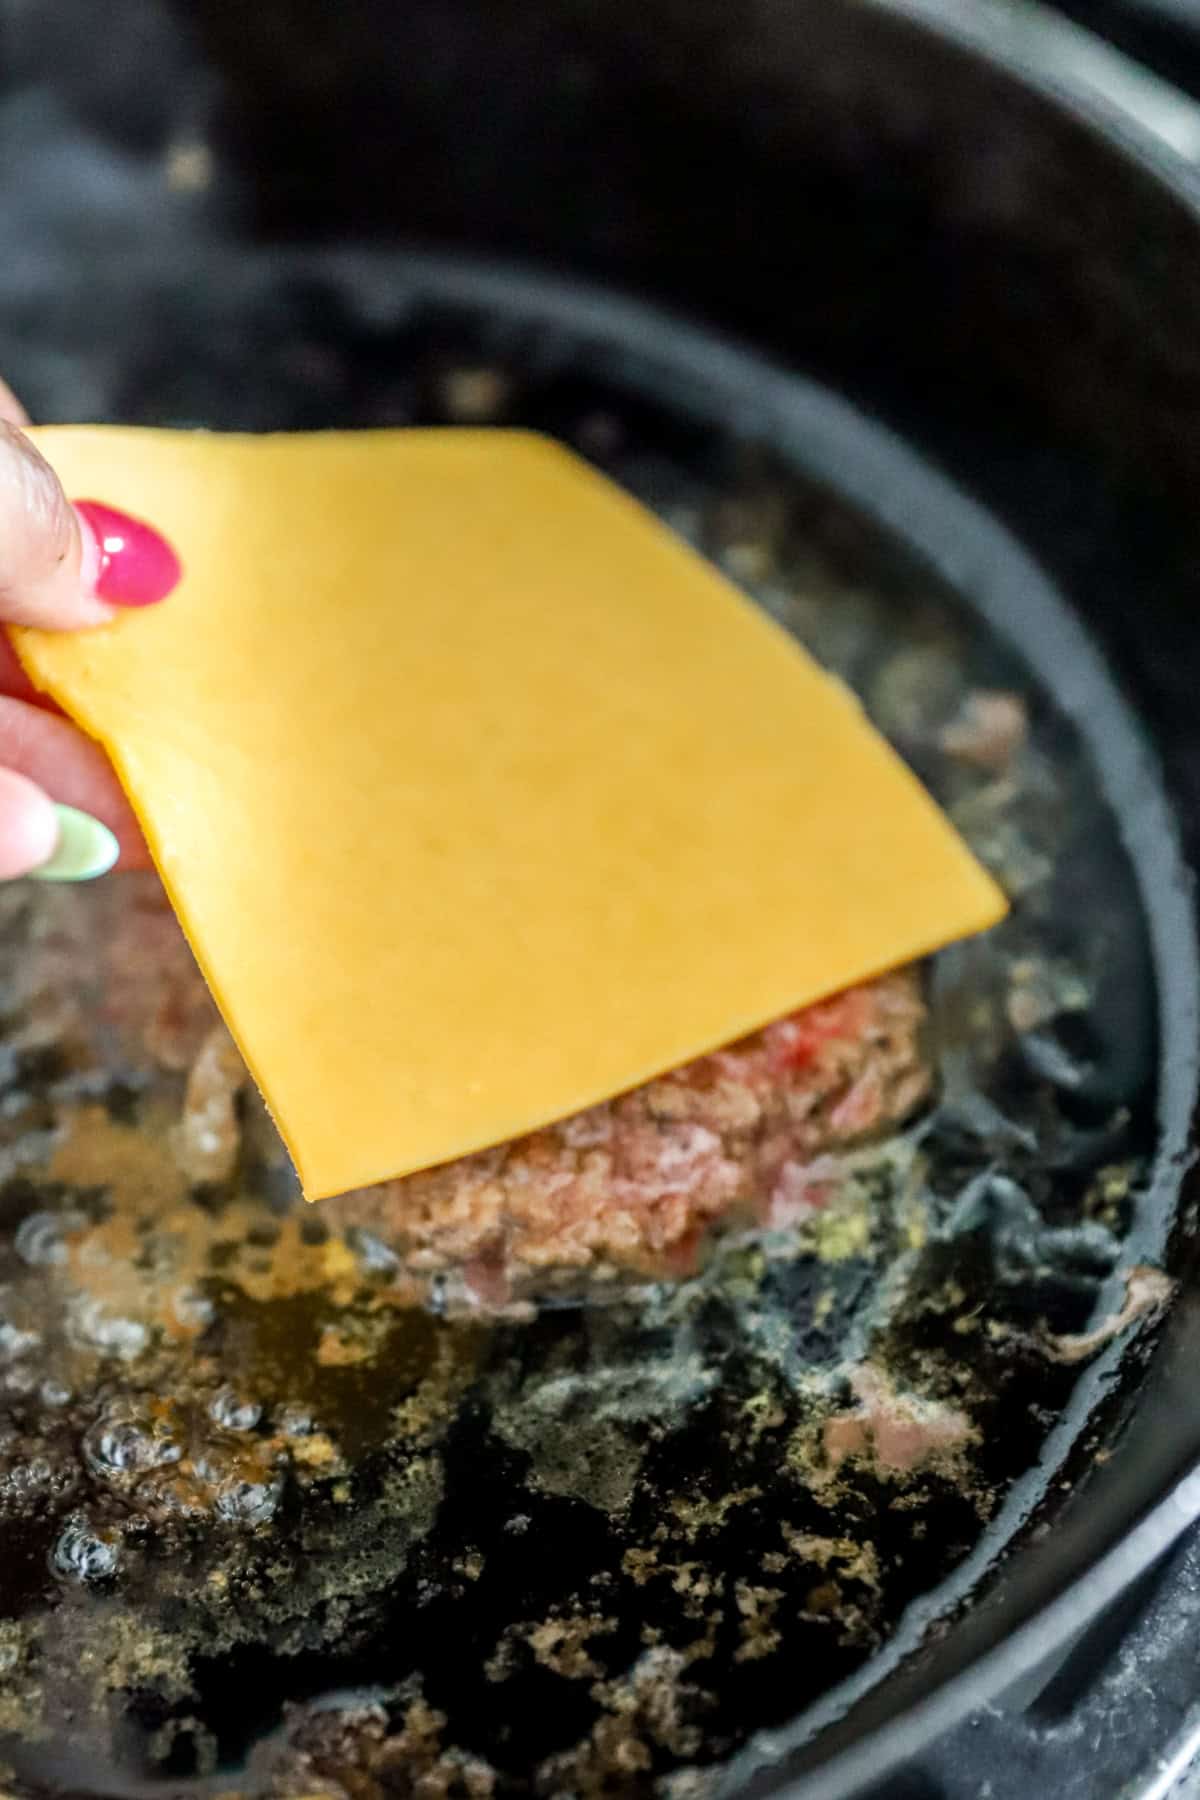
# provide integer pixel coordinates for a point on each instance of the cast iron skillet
(888, 196)
(894, 198)
(1117, 1524)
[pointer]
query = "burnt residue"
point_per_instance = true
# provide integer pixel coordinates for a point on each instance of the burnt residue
(273, 1528)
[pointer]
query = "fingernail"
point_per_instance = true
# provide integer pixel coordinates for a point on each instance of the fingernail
(124, 561)
(85, 848)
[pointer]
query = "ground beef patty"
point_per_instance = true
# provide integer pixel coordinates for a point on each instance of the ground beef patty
(636, 1184)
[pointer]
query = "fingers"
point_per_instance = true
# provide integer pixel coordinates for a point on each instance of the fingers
(50, 842)
(48, 751)
(62, 567)
(42, 576)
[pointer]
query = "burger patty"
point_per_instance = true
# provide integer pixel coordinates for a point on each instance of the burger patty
(637, 1184)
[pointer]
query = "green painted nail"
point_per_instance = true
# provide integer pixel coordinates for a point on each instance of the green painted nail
(86, 848)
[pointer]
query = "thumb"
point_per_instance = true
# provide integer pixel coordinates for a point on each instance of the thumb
(43, 580)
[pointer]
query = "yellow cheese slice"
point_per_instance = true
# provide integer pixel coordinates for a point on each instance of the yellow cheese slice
(479, 795)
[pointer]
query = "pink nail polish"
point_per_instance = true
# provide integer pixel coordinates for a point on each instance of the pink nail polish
(134, 566)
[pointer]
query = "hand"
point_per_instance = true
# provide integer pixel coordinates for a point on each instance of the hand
(64, 568)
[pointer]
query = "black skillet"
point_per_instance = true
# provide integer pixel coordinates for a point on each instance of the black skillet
(896, 201)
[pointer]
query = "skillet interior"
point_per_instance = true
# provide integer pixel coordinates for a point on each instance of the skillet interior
(569, 1485)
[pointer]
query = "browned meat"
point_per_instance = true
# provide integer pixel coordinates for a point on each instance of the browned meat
(742, 1136)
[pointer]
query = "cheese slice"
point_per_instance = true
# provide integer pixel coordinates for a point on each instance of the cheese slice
(479, 795)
